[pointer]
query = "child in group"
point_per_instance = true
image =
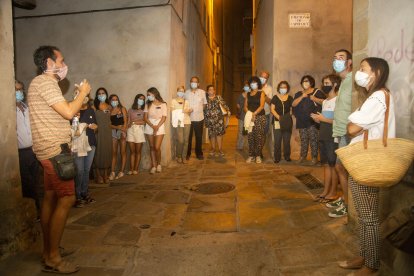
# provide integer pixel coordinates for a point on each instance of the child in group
(330, 86)
(135, 132)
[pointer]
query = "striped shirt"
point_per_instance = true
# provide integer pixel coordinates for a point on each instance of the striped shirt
(49, 128)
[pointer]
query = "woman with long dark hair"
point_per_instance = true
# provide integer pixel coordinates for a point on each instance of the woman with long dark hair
(135, 133)
(254, 108)
(119, 123)
(371, 77)
(103, 153)
(155, 116)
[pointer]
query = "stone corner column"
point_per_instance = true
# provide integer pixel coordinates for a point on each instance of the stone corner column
(16, 214)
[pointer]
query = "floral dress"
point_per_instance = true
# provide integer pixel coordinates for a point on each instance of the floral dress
(214, 118)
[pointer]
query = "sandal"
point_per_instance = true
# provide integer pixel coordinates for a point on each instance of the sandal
(326, 200)
(318, 197)
(63, 267)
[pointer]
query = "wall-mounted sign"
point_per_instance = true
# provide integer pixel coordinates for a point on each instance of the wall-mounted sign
(299, 20)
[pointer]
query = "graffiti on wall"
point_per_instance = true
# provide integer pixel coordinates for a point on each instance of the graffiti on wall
(391, 37)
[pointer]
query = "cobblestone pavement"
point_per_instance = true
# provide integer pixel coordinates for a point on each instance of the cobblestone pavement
(164, 224)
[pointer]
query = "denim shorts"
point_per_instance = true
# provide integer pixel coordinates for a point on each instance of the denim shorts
(343, 141)
(327, 151)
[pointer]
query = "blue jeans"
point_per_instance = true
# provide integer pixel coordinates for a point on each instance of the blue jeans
(83, 165)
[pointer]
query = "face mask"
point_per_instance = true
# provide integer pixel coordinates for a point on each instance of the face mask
(114, 103)
(140, 102)
(180, 94)
(339, 65)
(86, 100)
(283, 91)
(327, 88)
(362, 78)
(151, 98)
(194, 85)
(19, 96)
(254, 86)
(246, 89)
(306, 85)
(61, 72)
(102, 98)
(263, 80)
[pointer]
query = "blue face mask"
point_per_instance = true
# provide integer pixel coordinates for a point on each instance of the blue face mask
(140, 102)
(246, 88)
(180, 94)
(339, 65)
(19, 96)
(102, 98)
(114, 103)
(151, 98)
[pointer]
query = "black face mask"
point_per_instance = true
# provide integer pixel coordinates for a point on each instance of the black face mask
(327, 88)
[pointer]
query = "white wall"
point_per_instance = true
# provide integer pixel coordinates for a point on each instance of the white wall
(391, 37)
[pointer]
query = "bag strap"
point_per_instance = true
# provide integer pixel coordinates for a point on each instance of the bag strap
(386, 116)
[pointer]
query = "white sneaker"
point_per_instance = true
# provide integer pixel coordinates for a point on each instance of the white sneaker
(134, 172)
(159, 169)
(120, 174)
(112, 176)
(153, 170)
(129, 173)
(250, 159)
(258, 160)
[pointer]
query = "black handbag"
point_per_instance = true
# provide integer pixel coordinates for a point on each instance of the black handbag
(64, 163)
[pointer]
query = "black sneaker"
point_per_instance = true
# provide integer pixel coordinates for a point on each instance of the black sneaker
(200, 157)
(89, 200)
(79, 203)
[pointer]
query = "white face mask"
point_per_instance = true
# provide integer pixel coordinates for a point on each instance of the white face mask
(254, 86)
(283, 91)
(362, 78)
(263, 80)
(306, 85)
(194, 85)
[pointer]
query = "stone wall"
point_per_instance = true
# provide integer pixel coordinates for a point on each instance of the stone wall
(380, 33)
(126, 47)
(16, 214)
(289, 53)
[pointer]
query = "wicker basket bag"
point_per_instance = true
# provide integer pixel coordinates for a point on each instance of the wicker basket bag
(378, 163)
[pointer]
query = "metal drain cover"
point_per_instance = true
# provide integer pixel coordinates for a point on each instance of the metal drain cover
(310, 181)
(214, 188)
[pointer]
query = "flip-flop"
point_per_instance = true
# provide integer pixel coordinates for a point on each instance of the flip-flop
(326, 200)
(317, 198)
(63, 253)
(63, 267)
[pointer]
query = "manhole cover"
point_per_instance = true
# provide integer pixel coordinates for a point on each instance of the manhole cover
(310, 181)
(214, 188)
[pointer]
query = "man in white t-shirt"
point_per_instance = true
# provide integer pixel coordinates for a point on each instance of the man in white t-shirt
(267, 89)
(197, 100)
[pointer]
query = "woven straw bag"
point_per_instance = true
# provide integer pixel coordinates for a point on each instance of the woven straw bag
(378, 163)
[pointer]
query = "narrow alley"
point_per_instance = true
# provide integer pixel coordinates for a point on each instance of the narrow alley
(165, 224)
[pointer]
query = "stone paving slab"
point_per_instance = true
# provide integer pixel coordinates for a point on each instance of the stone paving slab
(104, 256)
(210, 222)
(94, 219)
(212, 204)
(172, 197)
(268, 225)
(213, 254)
(122, 234)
